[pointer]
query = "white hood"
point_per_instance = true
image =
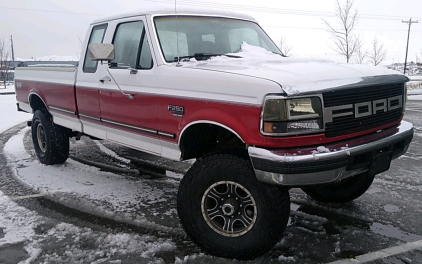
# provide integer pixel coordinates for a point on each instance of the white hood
(297, 76)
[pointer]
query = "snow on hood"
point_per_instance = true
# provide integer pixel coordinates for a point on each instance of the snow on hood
(296, 76)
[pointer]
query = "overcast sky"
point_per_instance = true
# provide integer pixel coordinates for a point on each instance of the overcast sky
(56, 27)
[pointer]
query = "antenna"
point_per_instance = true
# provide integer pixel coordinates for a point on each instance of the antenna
(177, 35)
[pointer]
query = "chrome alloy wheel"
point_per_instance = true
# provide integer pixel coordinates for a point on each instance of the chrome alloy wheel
(229, 208)
(41, 138)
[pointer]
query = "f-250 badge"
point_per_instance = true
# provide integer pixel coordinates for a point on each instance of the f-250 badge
(176, 110)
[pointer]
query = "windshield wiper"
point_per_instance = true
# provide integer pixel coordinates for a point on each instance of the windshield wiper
(204, 56)
(198, 56)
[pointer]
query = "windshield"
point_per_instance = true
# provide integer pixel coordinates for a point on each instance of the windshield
(207, 36)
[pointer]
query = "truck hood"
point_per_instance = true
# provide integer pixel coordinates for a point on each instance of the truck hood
(297, 76)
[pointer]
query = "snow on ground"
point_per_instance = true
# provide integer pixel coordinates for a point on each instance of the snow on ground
(91, 188)
(9, 116)
(81, 180)
(18, 224)
(416, 97)
(415, 94)
(14, 219)
(21, 224)
(110, 195)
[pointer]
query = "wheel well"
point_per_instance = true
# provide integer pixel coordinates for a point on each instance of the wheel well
(36, 103)
(201, 139)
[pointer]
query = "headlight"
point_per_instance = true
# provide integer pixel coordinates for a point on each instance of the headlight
(297, 115)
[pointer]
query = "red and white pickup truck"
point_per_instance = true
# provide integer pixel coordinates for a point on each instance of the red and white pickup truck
(212, 86)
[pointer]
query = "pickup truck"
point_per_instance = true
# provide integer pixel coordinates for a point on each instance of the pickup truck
(212, 86)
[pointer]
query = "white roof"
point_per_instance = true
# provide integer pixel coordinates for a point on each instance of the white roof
(180, 11)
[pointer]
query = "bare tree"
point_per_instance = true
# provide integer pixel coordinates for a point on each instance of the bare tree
(346, 42)
(360, 56)
(377, 53)
(285, 48)
(4, 62)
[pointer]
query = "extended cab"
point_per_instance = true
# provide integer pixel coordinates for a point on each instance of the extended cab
(212, 86)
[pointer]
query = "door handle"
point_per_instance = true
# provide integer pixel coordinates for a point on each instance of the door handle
(105, 79)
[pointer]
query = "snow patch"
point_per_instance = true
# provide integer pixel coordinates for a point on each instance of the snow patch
(110, 152)
(9, 116)
(299, 75)
(17, 222)
(286, 259)
(373, 190)
(88, 189)
(390, 208)
(108, 245)
(322, 149)
(320, 85)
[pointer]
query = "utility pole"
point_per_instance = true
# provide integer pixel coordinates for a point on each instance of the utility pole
(408, 34)
(13, 52)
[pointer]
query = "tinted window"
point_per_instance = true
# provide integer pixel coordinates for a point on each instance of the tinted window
(97, 36)
(131, 46)
(145, 58)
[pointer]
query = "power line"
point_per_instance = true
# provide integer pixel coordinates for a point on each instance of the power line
(272, 10)
(244, 7)
(164, 1)
(315, 28)
(300, 12)
(47, 11)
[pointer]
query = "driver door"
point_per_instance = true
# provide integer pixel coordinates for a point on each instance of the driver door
(129, 109)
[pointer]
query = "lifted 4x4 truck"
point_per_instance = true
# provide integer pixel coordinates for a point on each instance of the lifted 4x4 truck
(212, 86)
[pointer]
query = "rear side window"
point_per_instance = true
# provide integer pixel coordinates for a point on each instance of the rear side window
(97, 36)
(131, 47)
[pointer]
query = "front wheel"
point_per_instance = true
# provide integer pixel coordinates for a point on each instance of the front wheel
(227, 211)
(51, 141)
(345, 191)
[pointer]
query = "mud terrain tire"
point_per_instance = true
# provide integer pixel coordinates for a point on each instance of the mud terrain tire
(51, 141)
(227, 212)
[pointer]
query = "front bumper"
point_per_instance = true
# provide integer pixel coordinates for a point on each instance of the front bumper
(332, 162)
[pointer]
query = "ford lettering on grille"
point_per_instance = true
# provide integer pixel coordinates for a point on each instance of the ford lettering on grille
(363, 109)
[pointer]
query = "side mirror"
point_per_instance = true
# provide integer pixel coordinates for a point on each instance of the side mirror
(101, 51)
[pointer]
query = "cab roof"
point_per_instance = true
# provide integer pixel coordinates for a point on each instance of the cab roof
(180, 11)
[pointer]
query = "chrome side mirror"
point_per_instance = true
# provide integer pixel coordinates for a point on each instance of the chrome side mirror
(101, 51)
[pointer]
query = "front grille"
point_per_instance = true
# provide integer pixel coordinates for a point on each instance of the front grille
(349, 124)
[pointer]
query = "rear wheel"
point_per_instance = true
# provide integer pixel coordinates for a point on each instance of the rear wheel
(345, 191)
(51, 141)
(227, 211)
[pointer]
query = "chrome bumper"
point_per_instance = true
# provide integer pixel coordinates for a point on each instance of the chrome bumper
(332, 162)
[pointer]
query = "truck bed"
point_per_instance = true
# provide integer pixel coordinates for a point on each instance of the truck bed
(58, 83)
